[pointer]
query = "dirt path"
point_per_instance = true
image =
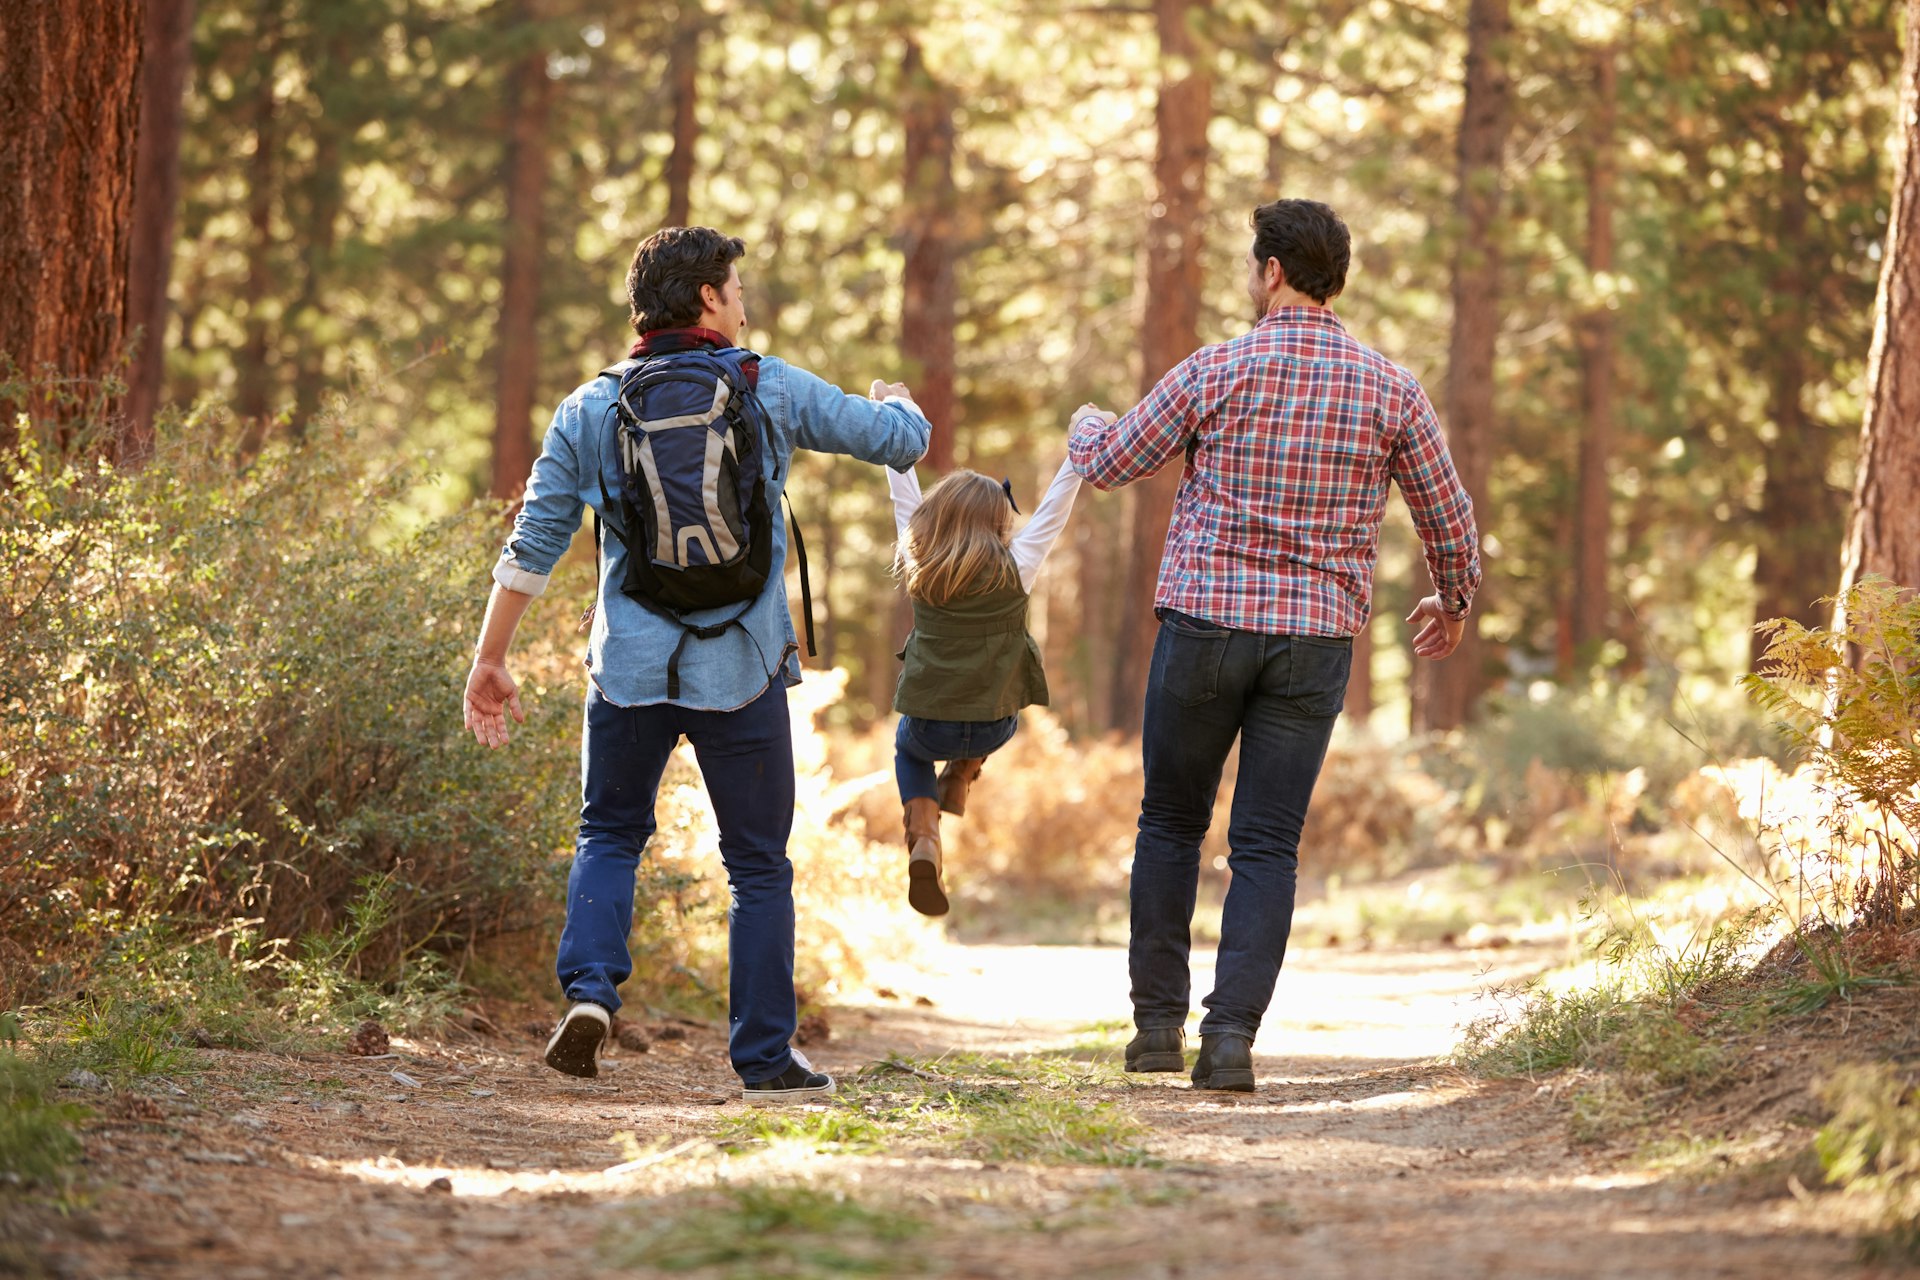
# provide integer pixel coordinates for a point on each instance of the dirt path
(1357, 1157)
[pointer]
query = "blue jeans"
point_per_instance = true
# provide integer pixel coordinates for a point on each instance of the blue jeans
(918, 745)
(746, 758)
(1208, 685)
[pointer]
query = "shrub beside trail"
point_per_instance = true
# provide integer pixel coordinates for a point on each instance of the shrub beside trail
(229, 706)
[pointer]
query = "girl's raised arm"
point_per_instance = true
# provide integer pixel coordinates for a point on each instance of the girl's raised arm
(904, 486)
(1031, 545)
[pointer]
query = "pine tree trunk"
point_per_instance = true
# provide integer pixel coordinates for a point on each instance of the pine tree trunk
(928, 300)
(1593, 501)
(518, 348)
(1884, 533)
(1451, 688)
(1359, 705)
(683, 67)
(253, 400)
(324, 192)
(1176, 240)
(156, 195)
(1799, 532)
(69, 100)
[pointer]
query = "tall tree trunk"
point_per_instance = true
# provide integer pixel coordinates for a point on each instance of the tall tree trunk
(254, 395)
(69, 99)
(325, 197)
(1593, 502)
(928, 301)
(1176, 237)
(1799, 531)
(156, 194)
(1359, 705)
(683, 79)
(1451, 688)
(1884, 531)
(518, 350)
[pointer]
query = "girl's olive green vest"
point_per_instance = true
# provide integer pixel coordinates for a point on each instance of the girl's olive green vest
(971, 659)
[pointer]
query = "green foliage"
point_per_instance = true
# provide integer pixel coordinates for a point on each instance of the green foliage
(1858, 722)
(230, 702)
(798, 1232)
(37, 1142)
(1872, 1145)
(1596, 737)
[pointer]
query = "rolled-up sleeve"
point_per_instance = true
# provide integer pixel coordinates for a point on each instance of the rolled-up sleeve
(550, 512)
(1441, 507)
(891, 432)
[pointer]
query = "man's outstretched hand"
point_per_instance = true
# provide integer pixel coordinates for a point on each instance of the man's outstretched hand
(491, 694)
(1440, 635)
(1091, 410)
(881, 390)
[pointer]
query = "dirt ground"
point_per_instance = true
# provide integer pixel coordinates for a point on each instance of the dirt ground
(1359, 1155)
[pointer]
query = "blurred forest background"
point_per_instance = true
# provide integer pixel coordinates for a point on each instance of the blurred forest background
(1631, 249)
(295, 286)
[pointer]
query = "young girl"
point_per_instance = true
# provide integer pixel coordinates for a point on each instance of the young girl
(970, 664)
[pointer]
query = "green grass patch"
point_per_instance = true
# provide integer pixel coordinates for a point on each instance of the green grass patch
(37, 1142)
(1016, 1109)
(1872, 1145)
(793, 1232)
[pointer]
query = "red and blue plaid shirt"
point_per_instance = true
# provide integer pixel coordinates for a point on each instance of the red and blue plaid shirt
(1292, 433)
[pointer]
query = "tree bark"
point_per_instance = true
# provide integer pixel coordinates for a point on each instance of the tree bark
(1883, 536)
(928, 299)
(1451, 688)
(518, 347)
(254, 394)
(69, 97)
(1176, 238)
(1359, 704)
(1588, 612)
(156, 195)
(1799, 533)
(324, 192)
(683, 67)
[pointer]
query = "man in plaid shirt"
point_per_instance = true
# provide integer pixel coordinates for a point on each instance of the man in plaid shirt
(1291, 434)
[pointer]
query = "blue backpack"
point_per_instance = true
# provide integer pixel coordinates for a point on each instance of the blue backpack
(692, 509)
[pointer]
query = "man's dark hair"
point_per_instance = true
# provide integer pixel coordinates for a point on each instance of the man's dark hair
(663, 284)
(1311, 242)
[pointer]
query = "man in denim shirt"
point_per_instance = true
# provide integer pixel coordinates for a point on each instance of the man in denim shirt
(731, 701)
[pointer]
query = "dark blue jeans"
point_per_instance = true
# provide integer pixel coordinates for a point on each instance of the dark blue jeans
(1279, 695)
(918, 745)
(746, 758)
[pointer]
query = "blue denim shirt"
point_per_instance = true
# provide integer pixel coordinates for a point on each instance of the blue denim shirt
(629, 647)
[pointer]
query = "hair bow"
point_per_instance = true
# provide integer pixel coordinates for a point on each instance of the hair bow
(1006, 487)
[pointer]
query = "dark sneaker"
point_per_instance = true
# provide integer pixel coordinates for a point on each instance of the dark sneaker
(1226, 1062)
(575, 1047)
(1162, 1050)
(798, 1083)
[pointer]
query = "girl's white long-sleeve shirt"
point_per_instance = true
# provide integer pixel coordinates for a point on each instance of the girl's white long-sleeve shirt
(1029, 546)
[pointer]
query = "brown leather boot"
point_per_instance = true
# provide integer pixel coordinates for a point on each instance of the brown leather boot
(924, 890)
(955, 777)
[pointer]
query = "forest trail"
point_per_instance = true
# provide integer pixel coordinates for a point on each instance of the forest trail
(1358, 1156)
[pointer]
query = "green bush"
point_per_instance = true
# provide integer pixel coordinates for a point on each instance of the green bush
(229, 704)
(37, 1142)
(1591, 734)
(1872, 1146)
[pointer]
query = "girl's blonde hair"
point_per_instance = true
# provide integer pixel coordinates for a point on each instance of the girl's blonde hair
(956, 543)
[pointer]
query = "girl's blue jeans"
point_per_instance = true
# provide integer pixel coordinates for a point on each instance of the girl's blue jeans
(918, 745)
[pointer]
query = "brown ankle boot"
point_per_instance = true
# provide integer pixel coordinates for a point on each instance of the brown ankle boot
(955, 777)
(924, 890)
